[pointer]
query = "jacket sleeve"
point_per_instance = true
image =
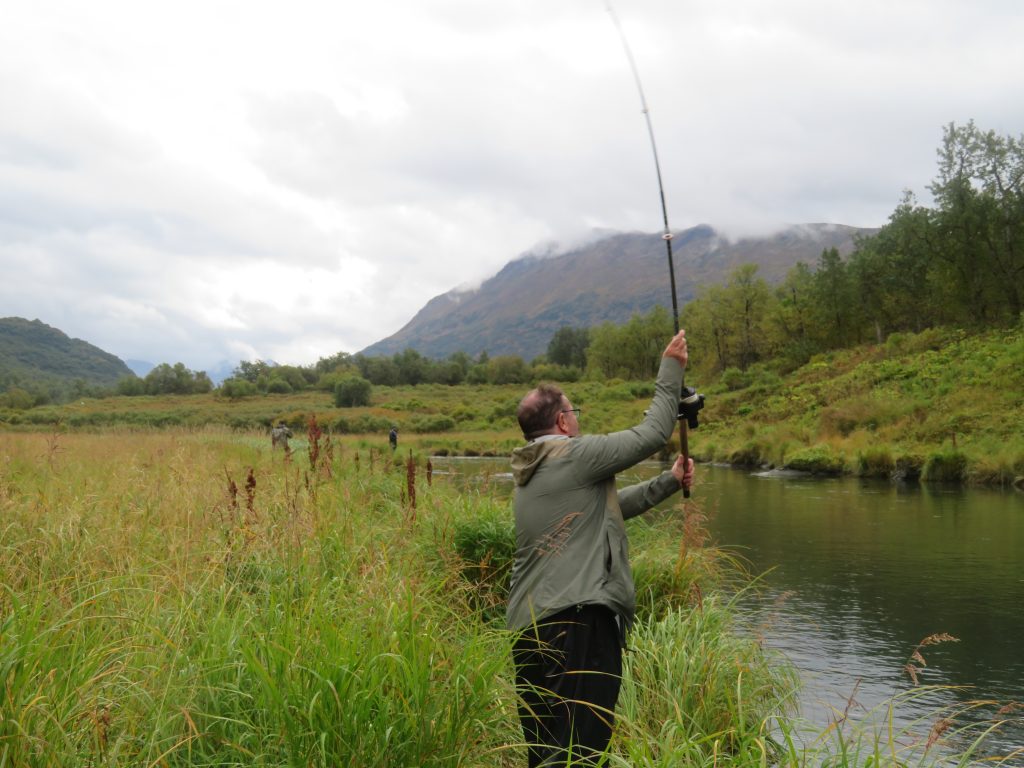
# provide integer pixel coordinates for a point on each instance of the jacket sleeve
(636, 499)
(602, 456)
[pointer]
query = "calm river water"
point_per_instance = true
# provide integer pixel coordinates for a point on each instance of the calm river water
(858, 573)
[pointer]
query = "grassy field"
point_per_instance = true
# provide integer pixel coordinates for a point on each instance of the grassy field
(942, 405)
(186, 597)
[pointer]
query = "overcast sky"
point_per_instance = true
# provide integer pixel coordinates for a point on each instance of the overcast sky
(206, 181)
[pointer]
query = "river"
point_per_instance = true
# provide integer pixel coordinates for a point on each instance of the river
(858, 573)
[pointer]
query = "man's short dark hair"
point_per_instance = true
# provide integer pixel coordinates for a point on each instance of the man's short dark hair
(538, 411)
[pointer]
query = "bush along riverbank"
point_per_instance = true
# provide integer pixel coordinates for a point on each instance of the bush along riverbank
(940, 406)
(184, 598)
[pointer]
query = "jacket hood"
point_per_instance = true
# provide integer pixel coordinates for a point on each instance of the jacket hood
(528, 458)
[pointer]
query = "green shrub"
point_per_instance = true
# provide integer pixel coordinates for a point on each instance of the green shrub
(505, 411)
(847, 416)
(763, 381)
(361, 424)
(352, 392)
(433, 423)
(733, 379)
(278, 387)
(748, 455)
(486, 546)
(909, 466)
(641, 389)
(817, 459)
(233, 389)
(896, 344)
(875, 462)
(945, 466)
(565, 374)
(464, 414)
(622, 392)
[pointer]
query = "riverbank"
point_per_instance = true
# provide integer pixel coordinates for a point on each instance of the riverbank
(940, 406)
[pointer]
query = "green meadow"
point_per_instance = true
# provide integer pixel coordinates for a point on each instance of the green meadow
(942, 405)
(187, 597)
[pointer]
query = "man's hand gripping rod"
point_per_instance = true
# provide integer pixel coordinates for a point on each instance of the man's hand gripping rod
(691, 401)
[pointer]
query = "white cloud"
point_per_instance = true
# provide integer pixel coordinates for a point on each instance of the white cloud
(207, 181)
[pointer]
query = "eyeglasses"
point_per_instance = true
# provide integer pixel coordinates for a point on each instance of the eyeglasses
(572, 410)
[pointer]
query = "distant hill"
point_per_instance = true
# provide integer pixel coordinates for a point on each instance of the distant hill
(32, 352)
(517, 311)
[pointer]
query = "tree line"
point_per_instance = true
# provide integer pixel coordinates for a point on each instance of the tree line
(959, 263)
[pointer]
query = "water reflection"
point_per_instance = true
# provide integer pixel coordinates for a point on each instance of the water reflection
(860, 572)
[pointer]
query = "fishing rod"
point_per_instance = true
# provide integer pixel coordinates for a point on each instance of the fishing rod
(691, 401)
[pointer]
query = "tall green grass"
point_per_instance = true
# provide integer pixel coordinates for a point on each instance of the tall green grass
(188, 598)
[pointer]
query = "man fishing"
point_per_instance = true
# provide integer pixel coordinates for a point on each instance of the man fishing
(279, 436)
(572, 597)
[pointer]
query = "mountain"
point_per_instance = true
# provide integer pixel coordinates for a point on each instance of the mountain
(32, 352)
(517, 311)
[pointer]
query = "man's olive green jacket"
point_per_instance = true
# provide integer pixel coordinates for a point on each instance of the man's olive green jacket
(571, 546)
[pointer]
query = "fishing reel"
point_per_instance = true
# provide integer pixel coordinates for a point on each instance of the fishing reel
(690, 403)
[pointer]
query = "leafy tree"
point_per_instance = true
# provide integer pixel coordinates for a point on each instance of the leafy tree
(507, 369)
(630, 351)
(980, 194)
(791, 317)
(453, 370)
(16, 399)
(834, 301)
(568, 347)
(750, 297)
(709, 324)
(551, 372)
(477, 374)
(602, 354)
(294, 376)
(251, 370)
(235, 388)
(279, 386)
(131, 386)
(894, 273)
(382, 371)
(352, 391)
(166, 379)
(341, 361)
(447, 372)
(412, 366)
(201, 383)
(731, 323)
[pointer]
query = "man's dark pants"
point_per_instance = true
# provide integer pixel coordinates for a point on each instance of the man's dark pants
(568, 671)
